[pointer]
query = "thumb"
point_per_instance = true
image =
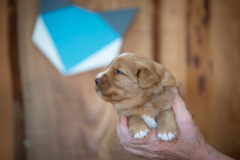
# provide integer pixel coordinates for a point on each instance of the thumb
(182, 114)
(124, 122)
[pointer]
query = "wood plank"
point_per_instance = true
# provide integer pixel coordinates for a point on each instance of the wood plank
(200, 74)
(213, 89)
(173, 37)
(17, 88)
(224, 45)
(6, 95)
(64, 117)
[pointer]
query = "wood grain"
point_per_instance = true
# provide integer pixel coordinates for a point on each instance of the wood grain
(173, 37)
(6, 94)
(213, 79)
(16, 85)
(224, 45)
(64, 117)
(197, 40)
(200, 67)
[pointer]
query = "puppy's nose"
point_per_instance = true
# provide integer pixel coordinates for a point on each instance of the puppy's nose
(97, 80)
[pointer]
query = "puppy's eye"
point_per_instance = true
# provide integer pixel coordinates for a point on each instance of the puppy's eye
(119, 72)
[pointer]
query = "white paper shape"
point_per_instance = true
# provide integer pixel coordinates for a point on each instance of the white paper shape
(43, 40)
(99, 59)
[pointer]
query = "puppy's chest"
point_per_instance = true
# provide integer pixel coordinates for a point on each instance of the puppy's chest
(147, 112)
(149, 121)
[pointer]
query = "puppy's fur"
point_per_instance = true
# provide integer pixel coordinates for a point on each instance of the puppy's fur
(141, 90)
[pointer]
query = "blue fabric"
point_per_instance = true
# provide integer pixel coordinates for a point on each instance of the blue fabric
(77, 33)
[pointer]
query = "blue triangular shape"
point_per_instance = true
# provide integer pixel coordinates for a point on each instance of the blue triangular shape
(77, 33)
(49, 5)
(119, 19)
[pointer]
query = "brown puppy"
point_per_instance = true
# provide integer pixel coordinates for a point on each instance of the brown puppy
(141, 90)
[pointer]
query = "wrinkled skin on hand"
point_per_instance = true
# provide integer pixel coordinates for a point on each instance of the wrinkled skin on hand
(188, 144)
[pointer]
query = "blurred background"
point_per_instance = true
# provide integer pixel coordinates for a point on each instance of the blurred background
(44, 115)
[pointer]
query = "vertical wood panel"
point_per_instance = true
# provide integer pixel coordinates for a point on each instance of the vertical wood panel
(20, 153)
(173, 37)
(199, 42)
(213, 89)
(224, 45)
(6, 95)
(200, 67)
(64, 117)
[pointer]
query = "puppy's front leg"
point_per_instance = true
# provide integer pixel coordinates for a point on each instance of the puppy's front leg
(137, 127)
(166, 125)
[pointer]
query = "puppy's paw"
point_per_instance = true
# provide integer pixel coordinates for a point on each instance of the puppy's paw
(138, 131)
(166, 136)
(167, 131)
(167, 125)
(141, 134)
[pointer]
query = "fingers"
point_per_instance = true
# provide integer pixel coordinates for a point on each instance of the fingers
(146, 154)
(122, 130)
(122, 135)
(181, 112)
(141, 153)
(135, 151)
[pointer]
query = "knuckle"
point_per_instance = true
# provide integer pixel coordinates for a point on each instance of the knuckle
(180, 100)
(123, 142)
(128, 139)
(153, 150)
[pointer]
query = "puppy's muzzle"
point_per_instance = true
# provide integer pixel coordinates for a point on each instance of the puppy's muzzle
(97, 80)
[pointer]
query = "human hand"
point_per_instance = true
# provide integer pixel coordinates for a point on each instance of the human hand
(188, 144)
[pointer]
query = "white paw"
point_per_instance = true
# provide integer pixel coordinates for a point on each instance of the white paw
(141, 134)
(150, 121)
(166, 137)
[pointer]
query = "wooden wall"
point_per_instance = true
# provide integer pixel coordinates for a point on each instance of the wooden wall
(64, 117)
(200, 44)
(213, 91)
(197, 40)
(6, 94)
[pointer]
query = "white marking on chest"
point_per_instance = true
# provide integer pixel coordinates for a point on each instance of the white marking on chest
(150, 121)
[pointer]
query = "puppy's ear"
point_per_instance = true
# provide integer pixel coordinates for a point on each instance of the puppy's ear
(146, 77)
(168, 80)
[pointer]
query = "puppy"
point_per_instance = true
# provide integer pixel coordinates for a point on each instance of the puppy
(141, 90)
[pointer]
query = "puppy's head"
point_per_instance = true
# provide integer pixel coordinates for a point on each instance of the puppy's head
(129, 81)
